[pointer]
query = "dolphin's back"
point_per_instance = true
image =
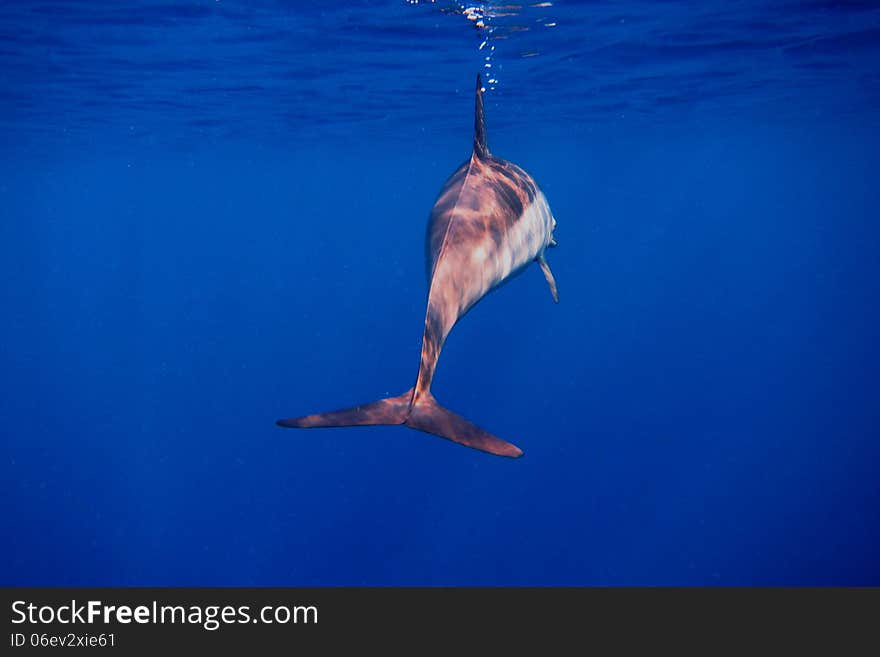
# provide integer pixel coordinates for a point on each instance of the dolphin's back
(483, 196)
(490, 220)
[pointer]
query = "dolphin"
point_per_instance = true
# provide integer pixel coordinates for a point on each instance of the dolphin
(489, 222)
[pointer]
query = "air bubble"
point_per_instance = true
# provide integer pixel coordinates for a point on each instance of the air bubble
(490, 21)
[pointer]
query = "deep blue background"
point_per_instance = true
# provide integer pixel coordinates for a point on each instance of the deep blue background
(197, 239)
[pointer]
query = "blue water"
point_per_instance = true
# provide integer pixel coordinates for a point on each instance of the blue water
(213, 216)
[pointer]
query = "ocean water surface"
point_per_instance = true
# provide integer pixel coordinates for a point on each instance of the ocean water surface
(213, 216)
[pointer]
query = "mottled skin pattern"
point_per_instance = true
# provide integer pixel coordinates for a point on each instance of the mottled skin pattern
(489, 222)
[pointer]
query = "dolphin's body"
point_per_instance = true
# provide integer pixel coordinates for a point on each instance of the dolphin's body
(489, 222)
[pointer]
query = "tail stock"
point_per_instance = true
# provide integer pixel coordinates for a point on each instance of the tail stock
(423, 414)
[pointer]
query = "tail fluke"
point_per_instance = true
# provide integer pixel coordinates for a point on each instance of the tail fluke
(429, 416)
(425, 415)
(392, 410)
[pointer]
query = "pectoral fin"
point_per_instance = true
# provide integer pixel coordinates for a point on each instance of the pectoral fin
(549, 276)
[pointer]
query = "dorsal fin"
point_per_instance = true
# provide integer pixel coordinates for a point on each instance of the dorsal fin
(481, 150)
